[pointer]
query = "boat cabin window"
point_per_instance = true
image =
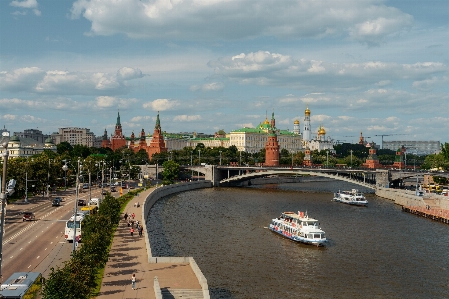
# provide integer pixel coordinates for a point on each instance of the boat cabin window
(309, 223)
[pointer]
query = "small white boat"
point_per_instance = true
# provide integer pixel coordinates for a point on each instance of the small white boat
(298, 227)
(353, 197)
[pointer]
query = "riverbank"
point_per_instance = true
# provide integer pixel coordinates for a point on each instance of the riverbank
(155, 276)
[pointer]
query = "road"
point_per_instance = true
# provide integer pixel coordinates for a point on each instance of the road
(36, 246)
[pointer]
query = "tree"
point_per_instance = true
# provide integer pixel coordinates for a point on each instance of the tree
(64, 147)
(170, 173)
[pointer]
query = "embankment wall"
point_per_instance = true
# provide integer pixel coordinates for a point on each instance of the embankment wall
(151, 199)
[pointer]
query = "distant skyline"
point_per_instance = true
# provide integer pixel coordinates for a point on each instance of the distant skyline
(371, 66)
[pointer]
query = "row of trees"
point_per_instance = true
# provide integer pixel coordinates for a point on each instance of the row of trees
(43, 170)
(77, 278)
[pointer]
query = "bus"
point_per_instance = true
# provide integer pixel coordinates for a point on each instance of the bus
(70, 226)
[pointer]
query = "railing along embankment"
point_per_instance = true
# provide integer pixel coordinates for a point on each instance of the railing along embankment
(151, 199)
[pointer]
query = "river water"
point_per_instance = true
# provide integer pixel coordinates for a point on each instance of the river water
(373, 252)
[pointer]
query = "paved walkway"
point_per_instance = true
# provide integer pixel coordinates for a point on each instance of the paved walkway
(128, 255)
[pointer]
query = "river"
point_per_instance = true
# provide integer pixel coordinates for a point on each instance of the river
(373, 252)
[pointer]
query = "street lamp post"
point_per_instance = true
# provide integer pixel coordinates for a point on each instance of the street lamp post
(220, 158)
(327, 158)
(191, 164)
(199, 162)
(65, 168)
(351, 158)
(3, 199)
(48, 178)
(240, 163)
(76, 205)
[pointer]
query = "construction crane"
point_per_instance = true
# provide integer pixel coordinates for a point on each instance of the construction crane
(382, 143)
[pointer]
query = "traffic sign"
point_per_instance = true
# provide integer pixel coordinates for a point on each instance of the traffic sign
(76, 244)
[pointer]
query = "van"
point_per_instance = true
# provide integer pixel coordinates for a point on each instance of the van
(95, 201)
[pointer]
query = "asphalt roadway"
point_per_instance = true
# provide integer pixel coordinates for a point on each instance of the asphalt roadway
(36, 246)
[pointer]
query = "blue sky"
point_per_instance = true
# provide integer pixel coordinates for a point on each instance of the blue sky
(371, 66)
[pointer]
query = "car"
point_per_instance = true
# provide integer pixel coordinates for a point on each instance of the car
(131, 187)
(28, 216)
(82, 202)
(104, 192)
(85, 186)
(113, 189)
(56, 202)
(59, 198)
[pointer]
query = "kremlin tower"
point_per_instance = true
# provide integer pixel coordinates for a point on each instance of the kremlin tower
(157, 144)
(306, 134)
(117, 140)
(272, 146)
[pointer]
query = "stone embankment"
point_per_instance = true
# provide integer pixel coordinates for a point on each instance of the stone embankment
(435, 207)
(151, 199)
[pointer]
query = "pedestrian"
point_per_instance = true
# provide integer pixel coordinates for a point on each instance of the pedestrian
(131, 231)
(133, 215)
(133, 281)
(139, 229)
(126, 216)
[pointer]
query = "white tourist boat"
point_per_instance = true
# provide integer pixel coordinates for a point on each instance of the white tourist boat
(353, 197)
(298, 227)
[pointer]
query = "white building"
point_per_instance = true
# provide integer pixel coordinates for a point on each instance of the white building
(252, 140)
(25, 147)
(74, 136)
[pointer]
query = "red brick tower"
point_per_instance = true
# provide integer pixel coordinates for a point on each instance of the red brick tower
(118, 140)
(307, 158)
(142, 141)
(157, 144)
(105, 142)
(372, 161)
(131, 142)
(399, 159)
(272, 146)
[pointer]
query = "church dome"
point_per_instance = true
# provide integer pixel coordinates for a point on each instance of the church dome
(307, 112)
(296, 122)
(266, 122)
(322, 131)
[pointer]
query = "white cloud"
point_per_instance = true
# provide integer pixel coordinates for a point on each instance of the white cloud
(273, 69)
(214, 86)
(186, 118)
(31, 4)
(368, 21)
(161, 104)
(128, 73)
(34, 79)
(24, 4)
(107, 102)
(9, 117)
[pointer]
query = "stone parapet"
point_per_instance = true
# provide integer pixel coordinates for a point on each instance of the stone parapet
(151, 199)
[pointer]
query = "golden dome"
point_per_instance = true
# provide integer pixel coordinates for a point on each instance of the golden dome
(296, 122)
(307, 112)
(266, 122)
(322, 131)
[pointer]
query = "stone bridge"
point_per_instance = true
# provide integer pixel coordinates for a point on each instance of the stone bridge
(236, 175)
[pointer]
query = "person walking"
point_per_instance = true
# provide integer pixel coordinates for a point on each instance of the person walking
(133, 282)
(126, 216)
(131, 231)
(140, 229)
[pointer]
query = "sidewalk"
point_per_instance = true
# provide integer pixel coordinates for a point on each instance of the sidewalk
(128, 255)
